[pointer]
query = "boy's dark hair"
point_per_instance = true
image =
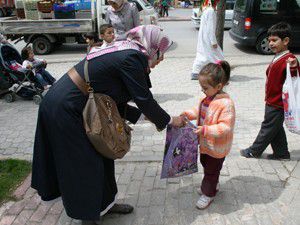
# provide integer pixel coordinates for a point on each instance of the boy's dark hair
(282, 30)
(105, 26)
(217, 72)
(92, 36)
(25, 52)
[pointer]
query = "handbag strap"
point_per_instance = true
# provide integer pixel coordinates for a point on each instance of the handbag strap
(88, 84)
(86, 77)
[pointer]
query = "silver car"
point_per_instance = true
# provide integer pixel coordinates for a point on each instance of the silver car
(196, 17)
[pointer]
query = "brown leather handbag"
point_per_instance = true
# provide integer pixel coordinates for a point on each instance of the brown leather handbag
(105, 128)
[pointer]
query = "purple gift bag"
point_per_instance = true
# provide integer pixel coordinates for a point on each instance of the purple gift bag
(181, 151)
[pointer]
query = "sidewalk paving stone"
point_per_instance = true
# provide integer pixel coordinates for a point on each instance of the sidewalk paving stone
(253, 191)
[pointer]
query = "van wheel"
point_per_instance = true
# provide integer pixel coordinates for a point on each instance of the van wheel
(42, 46)
(262, 45)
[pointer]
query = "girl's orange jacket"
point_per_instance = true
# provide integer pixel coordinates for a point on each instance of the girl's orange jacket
(217, 129)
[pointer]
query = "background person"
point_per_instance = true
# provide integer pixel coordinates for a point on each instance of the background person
(38, 66)
(92, 40)
(123, 16)
(208, 49)
(107, 34)
(65, 163)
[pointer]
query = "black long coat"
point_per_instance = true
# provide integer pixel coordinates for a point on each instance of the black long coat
(64, 161)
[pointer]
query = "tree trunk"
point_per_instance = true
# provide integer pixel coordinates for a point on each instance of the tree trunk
(220, 22)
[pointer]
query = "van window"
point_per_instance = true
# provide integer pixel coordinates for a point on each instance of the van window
(229, 5)
(269, 6)
(296, 6)
(240, 5)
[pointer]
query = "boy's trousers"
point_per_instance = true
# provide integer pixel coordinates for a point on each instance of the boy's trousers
(271, 132)
(211, 168)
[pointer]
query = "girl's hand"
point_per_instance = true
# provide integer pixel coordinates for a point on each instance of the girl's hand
(292, 61)
(198, 130)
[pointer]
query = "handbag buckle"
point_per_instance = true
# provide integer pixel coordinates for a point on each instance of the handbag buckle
(89, 88)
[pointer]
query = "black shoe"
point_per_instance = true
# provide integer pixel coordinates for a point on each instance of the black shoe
(248, 154)
(121, 209)
(285, 157)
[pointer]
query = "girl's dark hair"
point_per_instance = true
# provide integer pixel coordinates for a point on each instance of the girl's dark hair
(25, 52)
(92, 36)
(217, 72)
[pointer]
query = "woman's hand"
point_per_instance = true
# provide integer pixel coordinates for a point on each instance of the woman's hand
(292, 61)
(177, 121)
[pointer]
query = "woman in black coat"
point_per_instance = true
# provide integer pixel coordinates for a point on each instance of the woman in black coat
(65, 163)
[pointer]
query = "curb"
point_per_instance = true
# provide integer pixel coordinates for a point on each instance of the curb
(23, 187)
(173, 19)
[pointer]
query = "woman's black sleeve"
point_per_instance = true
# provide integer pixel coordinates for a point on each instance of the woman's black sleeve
(135, 79)
(130, 113)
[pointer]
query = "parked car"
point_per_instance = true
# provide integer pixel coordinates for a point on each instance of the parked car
(196, 16)
(252, 18)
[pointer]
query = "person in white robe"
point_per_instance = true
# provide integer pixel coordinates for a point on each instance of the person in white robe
(208, 49)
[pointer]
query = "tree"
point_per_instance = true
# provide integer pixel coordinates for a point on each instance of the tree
(220, 21)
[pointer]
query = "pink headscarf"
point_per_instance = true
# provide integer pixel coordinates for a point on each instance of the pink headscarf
(148, 39)
(151, 39)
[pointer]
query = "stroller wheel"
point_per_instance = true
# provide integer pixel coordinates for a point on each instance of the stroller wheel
(10, 97)
(37, 99)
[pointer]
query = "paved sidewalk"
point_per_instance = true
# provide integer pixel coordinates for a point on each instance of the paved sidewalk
(178, 14)
(252, 191)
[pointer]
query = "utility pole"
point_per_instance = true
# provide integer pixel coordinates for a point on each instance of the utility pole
(220, 21)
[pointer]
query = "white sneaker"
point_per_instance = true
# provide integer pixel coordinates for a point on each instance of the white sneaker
(204, 201)
(217, 189)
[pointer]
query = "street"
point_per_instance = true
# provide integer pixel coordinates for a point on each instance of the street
(253, 191)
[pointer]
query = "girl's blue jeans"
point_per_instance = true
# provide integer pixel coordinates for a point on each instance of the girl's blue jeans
(44, 77)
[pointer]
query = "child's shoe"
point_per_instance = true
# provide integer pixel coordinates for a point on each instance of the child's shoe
(217, 189)
(204, 201)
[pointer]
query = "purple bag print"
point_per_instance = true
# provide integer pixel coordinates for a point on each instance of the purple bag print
(181, 151)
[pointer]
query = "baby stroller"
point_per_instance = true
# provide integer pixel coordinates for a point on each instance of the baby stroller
(15, 80)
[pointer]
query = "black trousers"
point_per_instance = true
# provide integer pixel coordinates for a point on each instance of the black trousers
(271, 132)
(165, 11)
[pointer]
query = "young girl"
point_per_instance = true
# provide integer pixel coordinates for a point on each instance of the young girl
(215, 122)
(38, 66)
(92, 40)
